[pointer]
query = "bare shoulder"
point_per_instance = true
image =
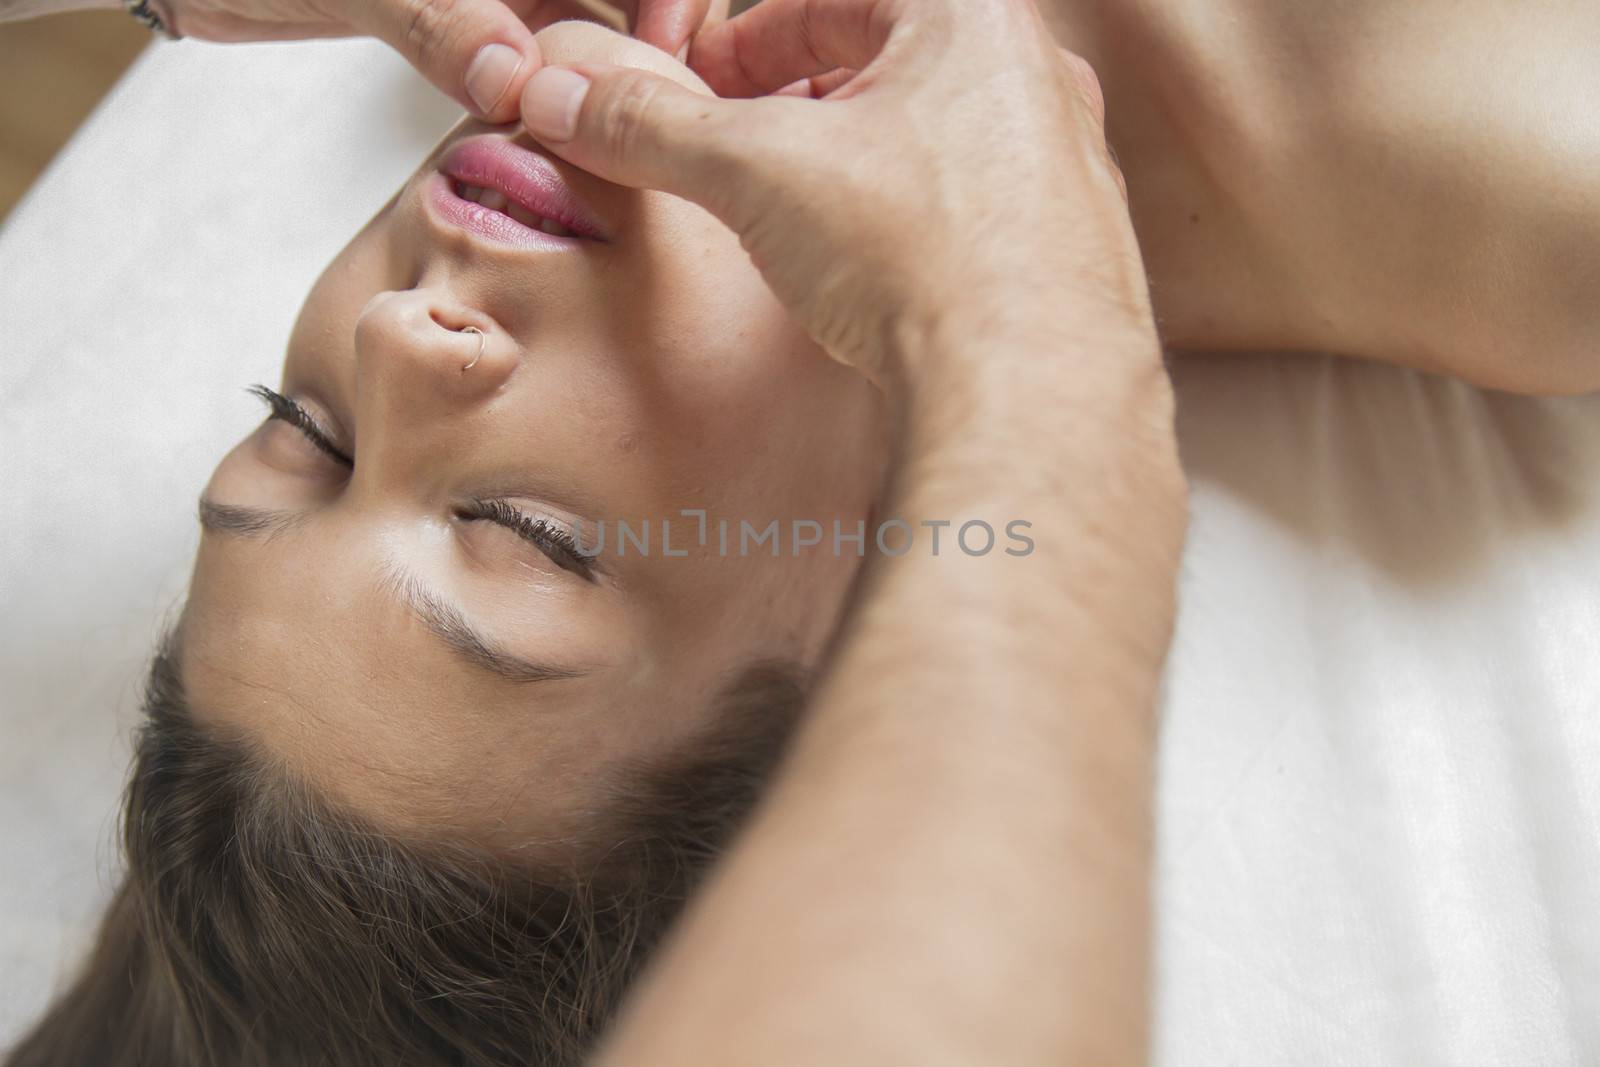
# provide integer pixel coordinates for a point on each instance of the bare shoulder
(1406, 180)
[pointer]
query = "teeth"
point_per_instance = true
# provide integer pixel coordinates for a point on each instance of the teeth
(522, 215)
(495, 200)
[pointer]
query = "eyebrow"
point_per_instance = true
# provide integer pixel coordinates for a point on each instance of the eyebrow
(446, 622)
(245, 522)
(441, 618)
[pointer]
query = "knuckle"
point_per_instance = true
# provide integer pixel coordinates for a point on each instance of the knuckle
(1114, 165)
(627, 119)
(749, 153)
(422, 23)
(1082, 77)
(738, 162)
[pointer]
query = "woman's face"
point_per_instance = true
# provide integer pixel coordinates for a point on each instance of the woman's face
(411, 630)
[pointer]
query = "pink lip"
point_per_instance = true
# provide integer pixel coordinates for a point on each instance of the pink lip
(524, 178)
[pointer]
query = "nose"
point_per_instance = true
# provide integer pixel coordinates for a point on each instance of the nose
(423, 348)
(428, 366)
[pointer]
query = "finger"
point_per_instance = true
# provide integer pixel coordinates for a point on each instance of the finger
(639, 129)
(476, 51)
(820, 86)
(778, 42)
(668, 24)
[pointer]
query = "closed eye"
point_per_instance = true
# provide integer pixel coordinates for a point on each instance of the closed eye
(559, 545)
(286, 409)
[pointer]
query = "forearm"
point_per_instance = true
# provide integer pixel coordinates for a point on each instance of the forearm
(953, 865)
(1407, 182)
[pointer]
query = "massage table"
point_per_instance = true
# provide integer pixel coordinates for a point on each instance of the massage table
(1379, 798)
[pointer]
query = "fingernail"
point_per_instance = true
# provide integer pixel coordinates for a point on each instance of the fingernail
(683, 53)
(490, 74)
(551, 101)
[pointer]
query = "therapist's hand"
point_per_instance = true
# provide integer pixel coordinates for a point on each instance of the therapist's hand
(979, 742)
(480, 52)
(955, 170)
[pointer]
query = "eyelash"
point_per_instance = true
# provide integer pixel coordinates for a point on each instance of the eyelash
(552, 540)
(290, 411)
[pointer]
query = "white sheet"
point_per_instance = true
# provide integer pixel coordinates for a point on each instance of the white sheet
(1380, 774)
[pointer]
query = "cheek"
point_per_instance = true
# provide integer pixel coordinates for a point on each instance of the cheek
(327, 319)
(719, 346)
(747, 414)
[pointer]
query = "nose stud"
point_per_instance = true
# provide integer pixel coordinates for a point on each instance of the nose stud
(483, 343)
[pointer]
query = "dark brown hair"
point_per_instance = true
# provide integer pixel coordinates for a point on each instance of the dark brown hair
(257, 925)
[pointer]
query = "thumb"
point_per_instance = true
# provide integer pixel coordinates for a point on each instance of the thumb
(476, 51)
(640, 129)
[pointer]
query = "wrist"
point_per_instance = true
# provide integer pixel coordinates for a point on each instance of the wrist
(1075, 422)
(1035, 362)
(1097, 457)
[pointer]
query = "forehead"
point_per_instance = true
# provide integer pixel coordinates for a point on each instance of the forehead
(334, 680)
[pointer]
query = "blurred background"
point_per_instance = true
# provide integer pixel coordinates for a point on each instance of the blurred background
(52, 73)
